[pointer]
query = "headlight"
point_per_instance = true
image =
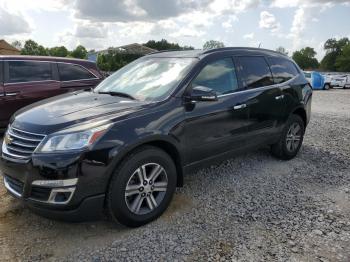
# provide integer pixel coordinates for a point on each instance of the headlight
(73, 141)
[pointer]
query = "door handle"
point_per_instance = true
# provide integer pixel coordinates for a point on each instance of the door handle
(279, 97)
(12, 94)
(239, 106)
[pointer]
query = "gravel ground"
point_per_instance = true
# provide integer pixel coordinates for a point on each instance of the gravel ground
(250, 208)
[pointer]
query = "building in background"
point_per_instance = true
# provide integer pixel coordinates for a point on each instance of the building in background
(7, 49)
(135, 49)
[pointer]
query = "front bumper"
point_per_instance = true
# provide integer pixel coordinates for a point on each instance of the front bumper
(69, 187)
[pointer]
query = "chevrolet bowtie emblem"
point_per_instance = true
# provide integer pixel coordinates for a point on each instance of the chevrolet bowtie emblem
(8, 140)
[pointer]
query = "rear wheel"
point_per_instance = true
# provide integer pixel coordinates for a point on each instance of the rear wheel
(142, 187)
(327, 86)
(291, 139)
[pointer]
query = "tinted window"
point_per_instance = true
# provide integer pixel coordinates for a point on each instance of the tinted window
(255, 72)
(219, 76)
(70, 72)
(27, 71)
(282, 69)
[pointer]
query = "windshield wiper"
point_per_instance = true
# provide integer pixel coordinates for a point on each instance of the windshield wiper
(113, 93)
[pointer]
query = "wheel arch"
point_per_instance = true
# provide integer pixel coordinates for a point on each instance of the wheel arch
(164, 144)
(302, 113)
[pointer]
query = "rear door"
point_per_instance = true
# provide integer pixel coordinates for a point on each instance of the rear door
(26, 82)
(285, 75)
(76, 77)
(265, 100)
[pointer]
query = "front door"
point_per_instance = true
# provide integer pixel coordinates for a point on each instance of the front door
(215, 127)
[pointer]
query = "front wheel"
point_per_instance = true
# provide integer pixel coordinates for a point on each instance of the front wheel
(291, 139)
(327, 86)
(142, 187)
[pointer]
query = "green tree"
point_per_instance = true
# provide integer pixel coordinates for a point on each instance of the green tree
(33, 48)
(59, 51)
(17, 44)
(211, 44)
(282, 50)
(165, 45)
(115, 60)
(79, 52)
(342, 62)
(305, 58)
(333, 48)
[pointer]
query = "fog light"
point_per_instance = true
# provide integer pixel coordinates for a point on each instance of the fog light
(61, 195)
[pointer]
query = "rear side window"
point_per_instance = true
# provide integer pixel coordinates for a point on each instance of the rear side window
(219, 76)
(282, 69)
(69, 72)
(28, 71)
(255, 71)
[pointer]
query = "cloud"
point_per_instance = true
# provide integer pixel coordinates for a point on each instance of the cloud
(135, 10)
(268, 21)
(187, 32)
(314, 3)
(249, 36)
(108, 11)
(12, 24)
(229, 22)
(91, 31)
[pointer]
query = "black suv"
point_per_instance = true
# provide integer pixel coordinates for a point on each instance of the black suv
(125, 146)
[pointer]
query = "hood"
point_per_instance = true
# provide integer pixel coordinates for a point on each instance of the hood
(57, 113)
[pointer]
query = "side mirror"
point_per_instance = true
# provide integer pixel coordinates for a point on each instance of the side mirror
(202, 93)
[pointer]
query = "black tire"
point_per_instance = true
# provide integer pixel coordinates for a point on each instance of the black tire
(327, 87)
(280, 149)
(117, 207)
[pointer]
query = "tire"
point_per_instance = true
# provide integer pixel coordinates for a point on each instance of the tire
(123, 205)
(284, 149)
(327, 87)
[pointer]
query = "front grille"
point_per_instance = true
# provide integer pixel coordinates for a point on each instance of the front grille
(14, 185)
(40, 193)
(19, 145)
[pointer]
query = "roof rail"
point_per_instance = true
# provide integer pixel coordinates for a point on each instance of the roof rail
(235, 48)
(217, 49)
(163, 51)
(173, 50)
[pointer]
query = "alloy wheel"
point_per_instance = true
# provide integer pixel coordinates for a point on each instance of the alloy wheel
(146, 188)
(293, 137)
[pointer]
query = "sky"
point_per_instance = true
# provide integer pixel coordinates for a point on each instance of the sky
(99, 24)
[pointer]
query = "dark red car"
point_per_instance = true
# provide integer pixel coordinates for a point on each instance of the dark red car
(27, 79)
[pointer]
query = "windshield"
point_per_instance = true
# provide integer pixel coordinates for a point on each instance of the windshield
(147, 79)
(307, 75)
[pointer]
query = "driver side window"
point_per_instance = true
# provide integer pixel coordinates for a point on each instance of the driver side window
(220, 76)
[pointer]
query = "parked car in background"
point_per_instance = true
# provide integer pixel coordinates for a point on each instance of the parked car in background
(124, 147)
(28, 79)
(338, 81)
(316, 80)
(347, 82)
(327, 81)
(307, 75)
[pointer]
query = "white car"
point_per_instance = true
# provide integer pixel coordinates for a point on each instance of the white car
(327, 80)
(339, 81)
(347, 82)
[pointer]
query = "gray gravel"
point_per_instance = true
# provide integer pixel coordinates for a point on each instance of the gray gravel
(250, 208)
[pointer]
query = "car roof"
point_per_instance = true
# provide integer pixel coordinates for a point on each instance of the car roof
(46, 58)
(198, 53)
